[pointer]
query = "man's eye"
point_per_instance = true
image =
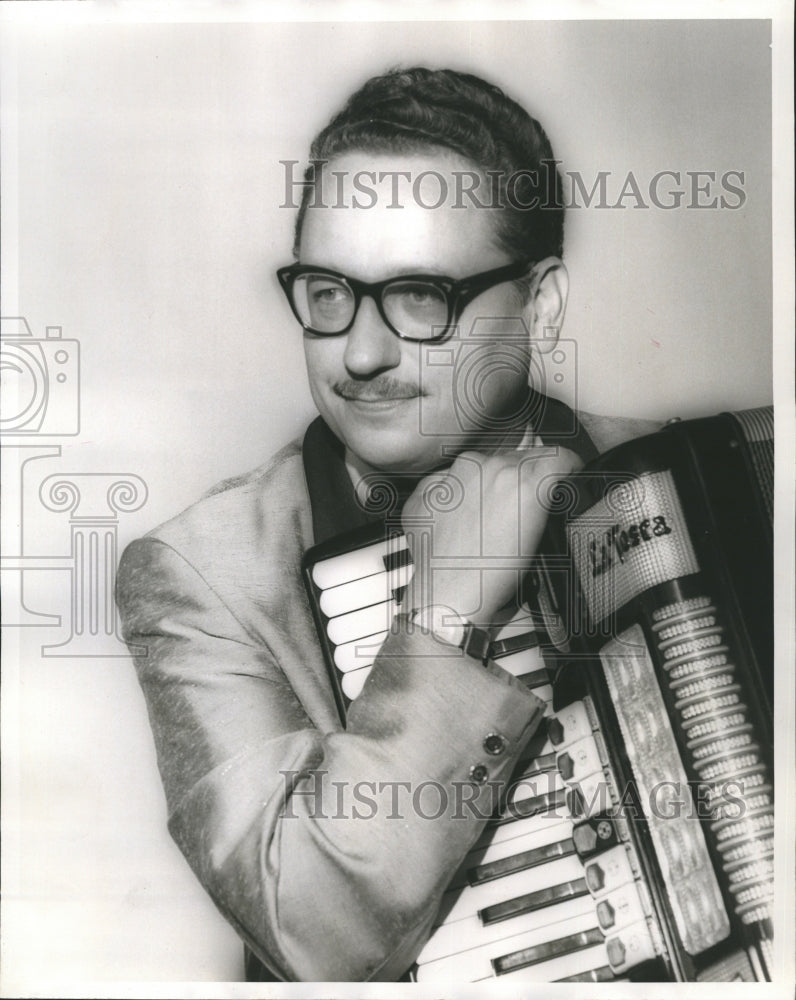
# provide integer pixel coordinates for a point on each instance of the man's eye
(330, 295)
(421, 296)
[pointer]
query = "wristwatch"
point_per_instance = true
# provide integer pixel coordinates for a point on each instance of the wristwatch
(453, 629)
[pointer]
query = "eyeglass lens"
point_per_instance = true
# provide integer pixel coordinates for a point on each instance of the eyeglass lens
(327, 304)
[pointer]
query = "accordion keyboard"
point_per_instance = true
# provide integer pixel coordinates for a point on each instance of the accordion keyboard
(551, 891)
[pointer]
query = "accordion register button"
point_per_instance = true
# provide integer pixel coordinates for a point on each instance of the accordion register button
(495, 744)
(595, 879)
(595, 834)
(479, 773)
(585, 839)
(555, 732)
(579, 759)
(569, 725)
(621, 909)
(630, 947)
(566, 766)
(605, 914)
(608, 871)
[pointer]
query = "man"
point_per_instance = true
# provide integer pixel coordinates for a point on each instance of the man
(263, 782)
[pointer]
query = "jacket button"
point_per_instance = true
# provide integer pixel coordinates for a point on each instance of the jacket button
(494, 744)
(479, 773)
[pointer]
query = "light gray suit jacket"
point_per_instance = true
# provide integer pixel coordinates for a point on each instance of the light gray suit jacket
(304, 833)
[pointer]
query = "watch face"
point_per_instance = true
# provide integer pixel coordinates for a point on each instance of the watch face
(444, 623)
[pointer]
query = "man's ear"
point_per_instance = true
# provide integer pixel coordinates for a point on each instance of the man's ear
(547, 304)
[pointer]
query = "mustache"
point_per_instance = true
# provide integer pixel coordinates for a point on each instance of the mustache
(378, 388)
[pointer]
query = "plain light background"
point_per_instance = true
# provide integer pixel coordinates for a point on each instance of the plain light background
(149, 227)
(150, 219)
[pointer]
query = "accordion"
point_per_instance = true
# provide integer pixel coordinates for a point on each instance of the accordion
(636, 841)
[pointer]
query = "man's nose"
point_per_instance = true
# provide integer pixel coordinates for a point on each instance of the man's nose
(371, 346)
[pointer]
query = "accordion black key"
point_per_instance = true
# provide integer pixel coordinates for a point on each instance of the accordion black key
(636, 839)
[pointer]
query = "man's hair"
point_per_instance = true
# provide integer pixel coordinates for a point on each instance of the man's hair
(417, 110)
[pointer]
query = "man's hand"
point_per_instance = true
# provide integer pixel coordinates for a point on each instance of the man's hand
(482, 520)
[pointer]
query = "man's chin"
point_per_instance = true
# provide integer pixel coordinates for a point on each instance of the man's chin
(382, 454)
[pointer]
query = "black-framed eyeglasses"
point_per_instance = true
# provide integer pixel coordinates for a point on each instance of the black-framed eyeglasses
(414, 306)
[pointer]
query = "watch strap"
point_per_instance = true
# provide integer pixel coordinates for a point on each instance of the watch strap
(474, 642)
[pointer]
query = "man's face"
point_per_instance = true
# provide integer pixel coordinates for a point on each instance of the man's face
(390, 407)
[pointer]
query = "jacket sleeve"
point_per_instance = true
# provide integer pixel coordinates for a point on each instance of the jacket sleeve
(327, 851)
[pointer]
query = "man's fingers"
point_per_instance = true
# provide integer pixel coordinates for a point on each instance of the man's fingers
(570, 461)
(543, 462)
